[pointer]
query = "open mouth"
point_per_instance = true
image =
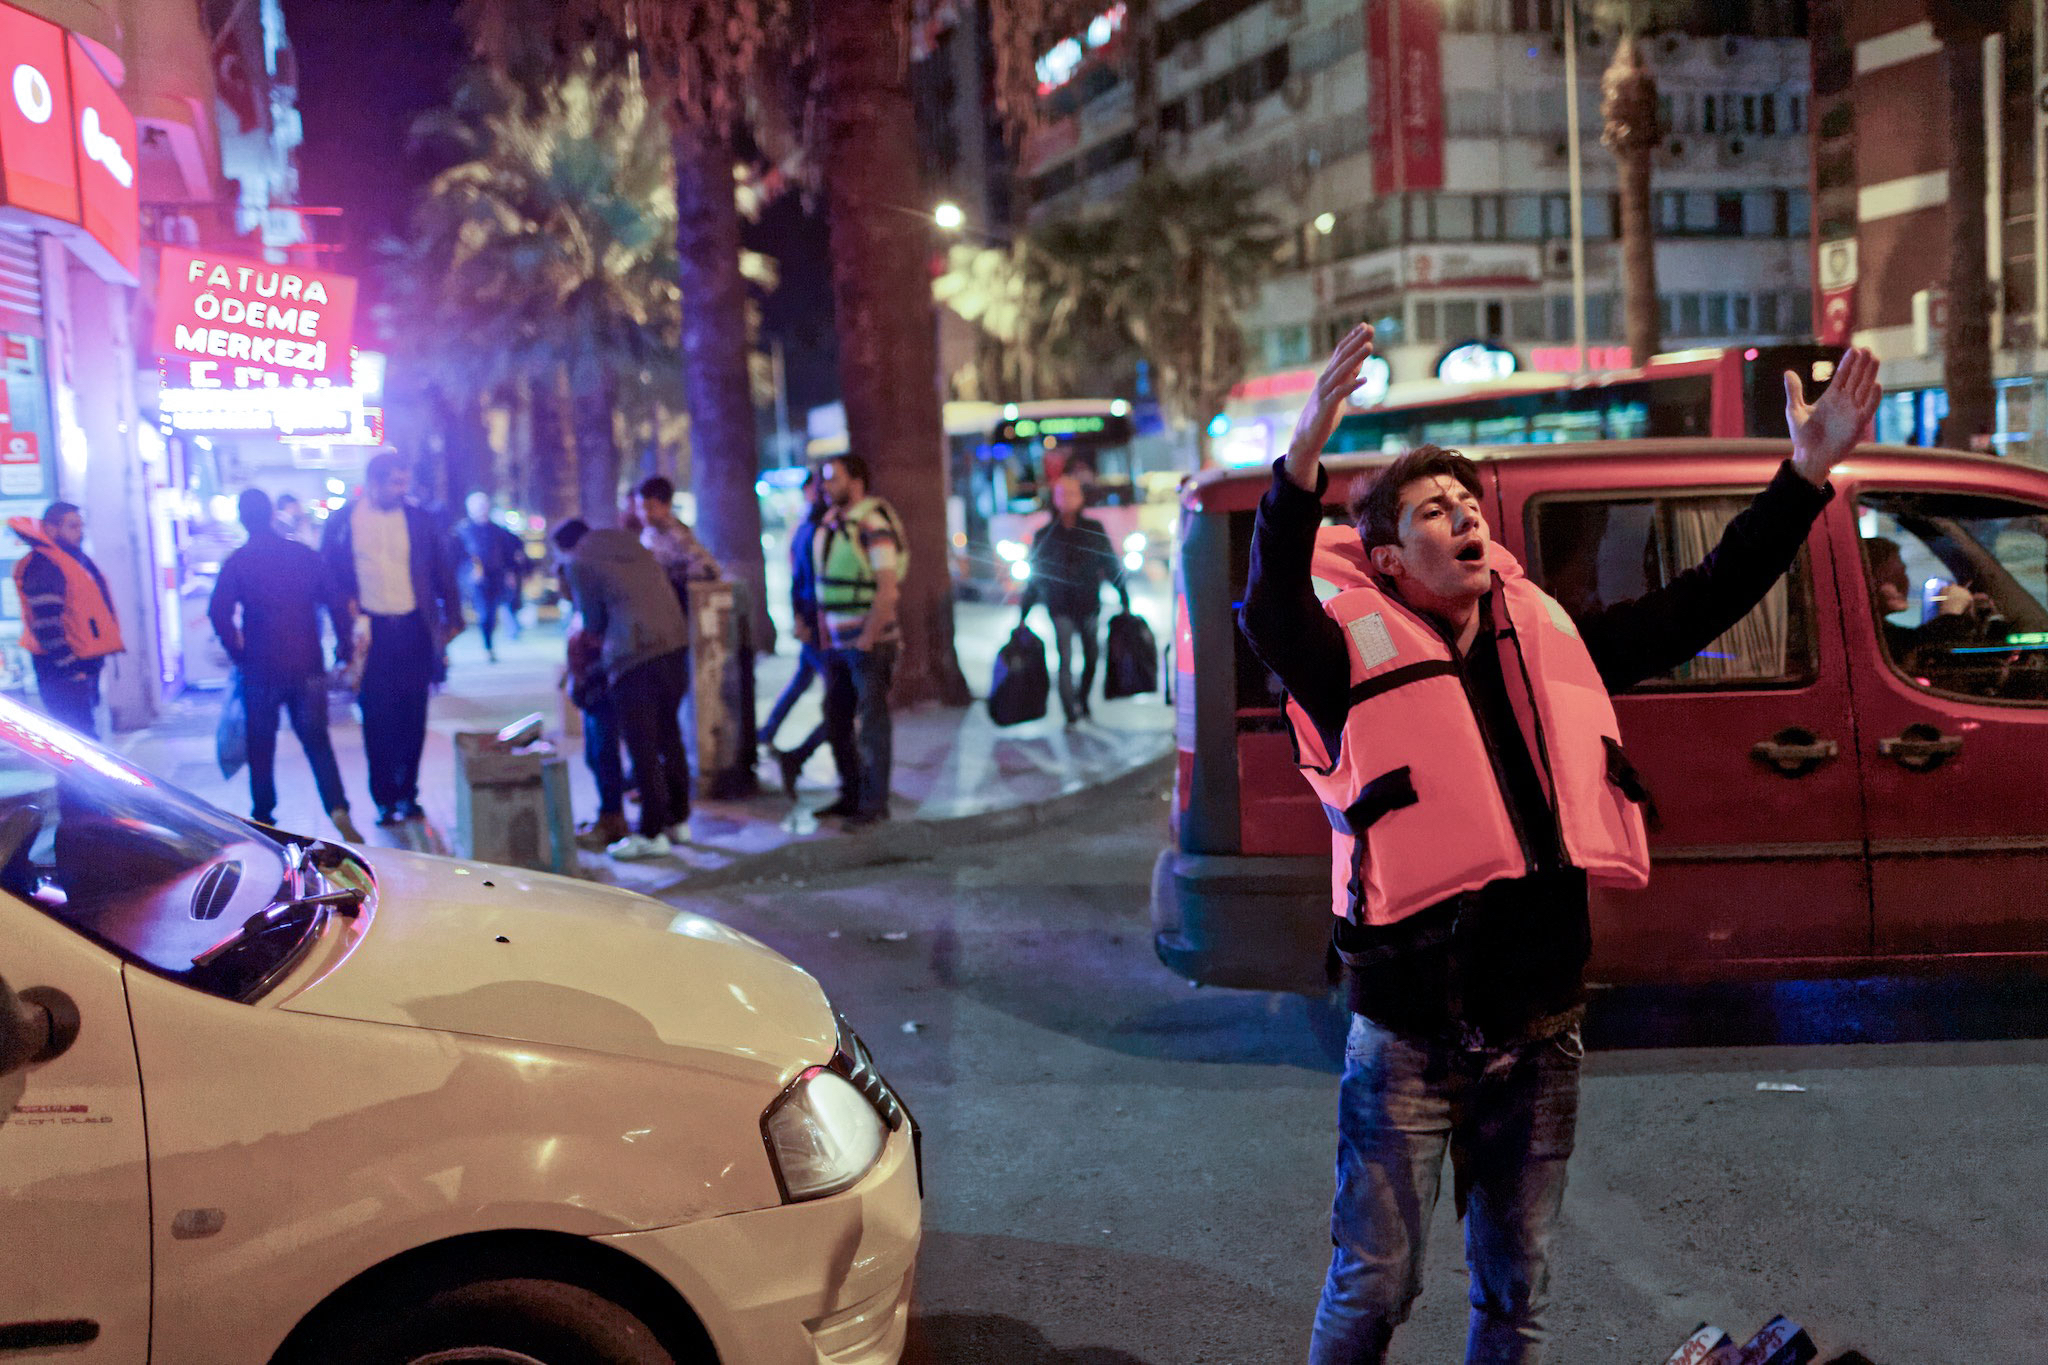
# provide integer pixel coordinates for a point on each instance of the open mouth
(1475, 553)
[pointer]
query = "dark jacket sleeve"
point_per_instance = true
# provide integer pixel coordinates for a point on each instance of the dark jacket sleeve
(220, 608)
(337, 549)
(1660, 630)
(42, 606)
(1287, 626)
(588, 595)
(1039, 542)
(1112, 565)
(340, 611)
(434, 569)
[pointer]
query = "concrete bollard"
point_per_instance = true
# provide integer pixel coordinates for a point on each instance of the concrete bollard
(722, 690)
(512, 806)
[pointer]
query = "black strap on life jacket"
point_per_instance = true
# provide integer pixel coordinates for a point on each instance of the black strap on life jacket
(1623, 774)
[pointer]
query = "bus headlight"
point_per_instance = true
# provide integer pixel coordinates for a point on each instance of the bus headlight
(1009, 550)
(1133, 560)
(823, 1135)
(1020, 571)
(1134, 543)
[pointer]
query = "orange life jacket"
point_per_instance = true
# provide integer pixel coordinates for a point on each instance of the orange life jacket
(89, 624)
(1413, 793)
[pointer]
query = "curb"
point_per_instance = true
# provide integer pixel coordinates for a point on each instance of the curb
(915, 840)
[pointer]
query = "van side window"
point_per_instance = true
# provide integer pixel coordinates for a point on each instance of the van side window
(1959, 587)
(1590, 553)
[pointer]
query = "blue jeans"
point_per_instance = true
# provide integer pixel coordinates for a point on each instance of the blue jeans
(810, 664)
(857, 724)
(601, 755)
(1507, 1116)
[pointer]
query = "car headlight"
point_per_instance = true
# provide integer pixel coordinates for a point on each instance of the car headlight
(1134, 561)
(1020, 571)
(1009, 551)
(823, 1135)
(1134, 543)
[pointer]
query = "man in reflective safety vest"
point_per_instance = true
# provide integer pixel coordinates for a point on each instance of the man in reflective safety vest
(861, 557)
(71, 623)
(1454, 720)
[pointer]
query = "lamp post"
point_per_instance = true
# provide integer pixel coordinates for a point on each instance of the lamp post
(1575, 181)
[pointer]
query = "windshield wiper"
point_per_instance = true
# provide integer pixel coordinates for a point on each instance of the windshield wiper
(346, 901)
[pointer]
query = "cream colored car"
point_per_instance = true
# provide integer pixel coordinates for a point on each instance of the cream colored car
(264, 1099)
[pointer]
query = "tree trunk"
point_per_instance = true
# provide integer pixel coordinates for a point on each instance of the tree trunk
(1966, 347)
(553, 470)
(1143, 37)
(882, 297)
(725, 456)
(465, 450)
(597, 451)
(1628, 111)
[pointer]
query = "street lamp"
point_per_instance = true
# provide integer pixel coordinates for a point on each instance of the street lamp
(1326, 223)
(949, 216)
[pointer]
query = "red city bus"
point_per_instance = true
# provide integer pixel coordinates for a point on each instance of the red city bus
(1717, 391)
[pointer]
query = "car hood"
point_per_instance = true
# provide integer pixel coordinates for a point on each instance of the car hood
(480, 949)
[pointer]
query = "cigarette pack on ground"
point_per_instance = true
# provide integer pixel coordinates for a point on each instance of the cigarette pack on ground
(1781, 1342)
(1695, 1349)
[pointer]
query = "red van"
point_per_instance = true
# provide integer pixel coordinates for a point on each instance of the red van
(1852, 781)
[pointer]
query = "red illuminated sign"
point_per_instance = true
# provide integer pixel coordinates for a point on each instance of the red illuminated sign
(1405, 94)
(107, 156)
(37, 171)
(229, 322)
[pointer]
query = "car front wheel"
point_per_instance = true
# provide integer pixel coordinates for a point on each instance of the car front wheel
(500, 1322)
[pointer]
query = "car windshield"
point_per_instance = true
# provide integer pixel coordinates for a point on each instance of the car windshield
(150, 871)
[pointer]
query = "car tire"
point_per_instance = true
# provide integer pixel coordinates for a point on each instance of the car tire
(514, 1321)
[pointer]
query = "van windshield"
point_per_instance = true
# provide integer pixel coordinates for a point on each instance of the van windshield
(151, 872)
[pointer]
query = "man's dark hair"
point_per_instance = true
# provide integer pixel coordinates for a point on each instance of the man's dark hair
(285, 500)
(382, 466)
(1375, 501)
(655, 488)
(255, 509)
(851, 465)
(59, 510)
(569, 534)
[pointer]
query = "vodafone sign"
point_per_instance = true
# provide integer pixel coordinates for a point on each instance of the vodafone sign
(231, 322)
(68, 148)
(38, 173)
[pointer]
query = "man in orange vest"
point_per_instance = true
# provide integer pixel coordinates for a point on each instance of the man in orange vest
(70, 617)
(1454, 721)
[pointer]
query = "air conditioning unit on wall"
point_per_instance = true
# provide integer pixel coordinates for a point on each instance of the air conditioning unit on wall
(1736, 151)
(1557, 257)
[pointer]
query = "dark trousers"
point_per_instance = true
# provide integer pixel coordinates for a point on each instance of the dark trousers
(647, 697)
(857, 724)
(304, 700)
(485, 599)
(67, 698)
(601, 755)
(810, 665)
(1067, 631)
(397, 676)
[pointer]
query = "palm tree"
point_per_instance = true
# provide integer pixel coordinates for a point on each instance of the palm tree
(1039, 305)
(1632, 128)
(1190, 256)
(1961, 26)
(543, 256)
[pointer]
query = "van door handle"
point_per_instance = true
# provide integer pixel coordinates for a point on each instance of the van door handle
(42, 1335)
(1922, 748)
(1794, 751)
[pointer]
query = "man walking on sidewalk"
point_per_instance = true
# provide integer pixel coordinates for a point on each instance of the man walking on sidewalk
(861, 557)
(626, 602)
(386, 559)
(1454, 721)
(70, 616)
(810, 665)
(494, 561)
(1071, 558)
(280, 585)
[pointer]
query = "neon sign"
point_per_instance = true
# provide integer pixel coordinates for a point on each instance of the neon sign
(1059, 65)
(235, 323)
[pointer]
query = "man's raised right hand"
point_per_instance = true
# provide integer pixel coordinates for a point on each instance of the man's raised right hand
(1326, 406)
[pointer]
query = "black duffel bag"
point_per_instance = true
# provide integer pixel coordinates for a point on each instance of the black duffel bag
(1021, 683)
(1131, 659)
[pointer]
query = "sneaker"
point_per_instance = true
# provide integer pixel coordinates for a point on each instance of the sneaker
(679, 832)
(792, 766)
(388, 815)
(410, 810)
(345, 826)
(636, 846)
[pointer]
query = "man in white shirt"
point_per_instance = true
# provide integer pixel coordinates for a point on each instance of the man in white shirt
(384, 553)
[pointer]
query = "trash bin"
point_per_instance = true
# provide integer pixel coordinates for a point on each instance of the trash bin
(512, 803)
(722, 690)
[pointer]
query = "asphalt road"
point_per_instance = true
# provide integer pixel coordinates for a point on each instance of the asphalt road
(1122, 1169)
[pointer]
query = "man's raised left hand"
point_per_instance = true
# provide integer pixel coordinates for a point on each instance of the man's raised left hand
(1824, 433)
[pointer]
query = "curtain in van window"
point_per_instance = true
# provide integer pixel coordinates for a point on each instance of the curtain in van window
(1754, 649)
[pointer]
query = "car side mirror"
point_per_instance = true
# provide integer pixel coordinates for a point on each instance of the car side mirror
(35, 1025)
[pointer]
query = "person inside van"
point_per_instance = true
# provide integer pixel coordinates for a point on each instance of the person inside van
(1454, 720)
(1891, 592)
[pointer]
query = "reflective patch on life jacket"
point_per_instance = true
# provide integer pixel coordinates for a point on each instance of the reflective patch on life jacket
(1325, 589)
(1558, 616)
(1369, 634)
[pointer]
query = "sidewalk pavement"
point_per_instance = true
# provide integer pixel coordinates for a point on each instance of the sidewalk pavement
(957, 777)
